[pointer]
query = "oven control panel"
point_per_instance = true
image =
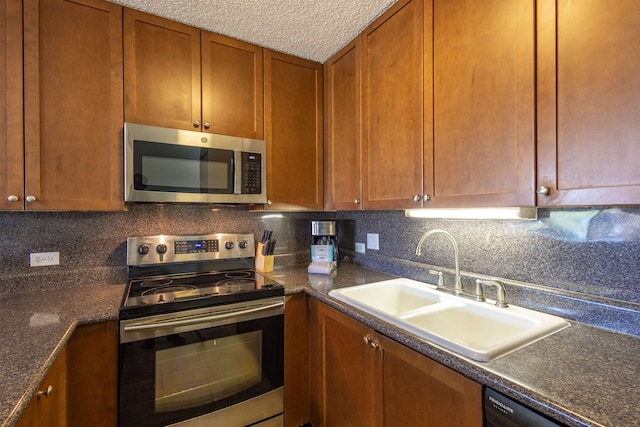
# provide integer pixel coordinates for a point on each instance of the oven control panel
(196, 246)
(174, 249)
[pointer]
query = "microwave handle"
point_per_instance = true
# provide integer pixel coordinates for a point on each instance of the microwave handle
(196, 320)
(237, 175)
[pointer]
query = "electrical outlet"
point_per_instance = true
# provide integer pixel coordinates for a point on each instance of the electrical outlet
(41, 259)
(373, 241)
(360, 248)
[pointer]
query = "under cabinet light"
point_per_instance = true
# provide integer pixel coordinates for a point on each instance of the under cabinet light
(474, 213)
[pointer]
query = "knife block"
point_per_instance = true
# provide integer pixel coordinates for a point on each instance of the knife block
(263, 263)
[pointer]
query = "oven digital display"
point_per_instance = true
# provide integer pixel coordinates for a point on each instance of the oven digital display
(196, 246)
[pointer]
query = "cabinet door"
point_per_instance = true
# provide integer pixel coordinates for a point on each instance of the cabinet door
(438, 395)
(51, 408)
(92, 377)
(293, 130)
(296, 360)
(392, 74)
(232, 87)
(11, 122)
(484, 103)
(73, 104)
(162, 72)
(343, 143)
(341, 362)
(588, 127)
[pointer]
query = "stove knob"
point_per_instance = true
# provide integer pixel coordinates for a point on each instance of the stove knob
(143, 249)
(229, 245)
(161, 248)
(243, 244)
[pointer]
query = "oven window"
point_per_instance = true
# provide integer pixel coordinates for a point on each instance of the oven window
(182, 375)
(204, 372)
(182, 168)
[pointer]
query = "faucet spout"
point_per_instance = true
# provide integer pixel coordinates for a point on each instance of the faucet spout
(457, 288)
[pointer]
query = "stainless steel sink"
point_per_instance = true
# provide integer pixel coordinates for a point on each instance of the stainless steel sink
(477, 330)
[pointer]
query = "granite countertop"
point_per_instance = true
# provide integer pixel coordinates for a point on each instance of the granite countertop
(581, 376)
(35, 328)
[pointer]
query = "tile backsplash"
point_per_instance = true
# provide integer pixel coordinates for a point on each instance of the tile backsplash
(578, 254)
(581, 254)
(92, 245)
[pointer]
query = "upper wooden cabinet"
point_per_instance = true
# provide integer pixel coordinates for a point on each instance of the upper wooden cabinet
(374, 95)
(343, 124)
(11, 106)
(588, 103)
(447, 96)
(73, 111)
(180, 77)
(362, 378)
(232, 86)
(293, 131)
(392, 101)
(483, 104)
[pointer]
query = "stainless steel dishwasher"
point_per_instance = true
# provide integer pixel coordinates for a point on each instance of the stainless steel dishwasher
(502, 411)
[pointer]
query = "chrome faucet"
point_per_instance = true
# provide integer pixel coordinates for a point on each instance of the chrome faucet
(457, 287)
(501, 294)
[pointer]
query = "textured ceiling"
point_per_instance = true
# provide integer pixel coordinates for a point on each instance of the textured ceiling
(311, 29)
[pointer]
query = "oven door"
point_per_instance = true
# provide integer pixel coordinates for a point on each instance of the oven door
(221, 364)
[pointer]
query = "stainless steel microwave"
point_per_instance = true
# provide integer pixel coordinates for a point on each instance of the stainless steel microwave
(171, 165)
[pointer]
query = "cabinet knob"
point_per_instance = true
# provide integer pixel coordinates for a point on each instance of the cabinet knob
(13, 198)
(45, 393)
(30, 199)
(356, 201)
(375, 345)
(207, 125)
(542, 190)
(416, 198)
(367, 340)
(269, 202)
(426, 197)
(196, 123)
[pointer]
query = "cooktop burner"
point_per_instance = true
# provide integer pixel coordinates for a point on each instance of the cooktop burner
(172, 273)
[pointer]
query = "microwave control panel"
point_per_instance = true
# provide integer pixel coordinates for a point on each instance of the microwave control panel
(251, 173)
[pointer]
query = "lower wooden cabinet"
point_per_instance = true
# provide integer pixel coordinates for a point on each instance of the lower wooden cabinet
(296, 360)
(48, 408)
(92, 375)
(362, 378)
(80, 388)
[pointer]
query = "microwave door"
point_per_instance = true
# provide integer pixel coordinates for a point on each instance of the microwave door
(167, 171)
(171, 165)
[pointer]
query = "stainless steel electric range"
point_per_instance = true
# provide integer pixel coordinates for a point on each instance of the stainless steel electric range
(201, 334)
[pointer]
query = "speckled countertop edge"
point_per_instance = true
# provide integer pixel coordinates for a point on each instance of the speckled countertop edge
(35, 328)
(581, 376)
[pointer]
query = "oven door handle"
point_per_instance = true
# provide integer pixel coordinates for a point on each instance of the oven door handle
(196, 320)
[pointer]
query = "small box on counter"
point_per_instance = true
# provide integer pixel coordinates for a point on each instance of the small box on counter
(321, 253)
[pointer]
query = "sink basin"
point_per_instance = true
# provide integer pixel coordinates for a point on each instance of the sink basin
(477, 330)
(391, 297)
